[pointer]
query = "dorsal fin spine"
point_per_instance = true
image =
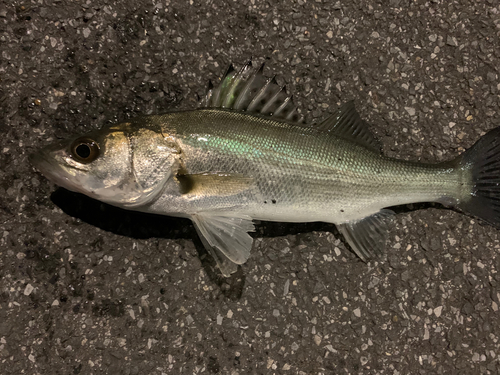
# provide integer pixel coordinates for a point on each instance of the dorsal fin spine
(271, 101)
(229, 96)
(290, 115)
(257, 97)
(261, 69)
(241, 97)
(282, 106)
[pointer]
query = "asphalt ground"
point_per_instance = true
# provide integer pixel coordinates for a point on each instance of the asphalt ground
(86, 288)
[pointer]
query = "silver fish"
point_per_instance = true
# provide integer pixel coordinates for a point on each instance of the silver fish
(245, 154)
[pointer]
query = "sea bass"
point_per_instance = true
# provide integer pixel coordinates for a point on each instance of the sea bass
(245, 155)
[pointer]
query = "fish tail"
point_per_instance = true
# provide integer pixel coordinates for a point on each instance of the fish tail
(481, 166)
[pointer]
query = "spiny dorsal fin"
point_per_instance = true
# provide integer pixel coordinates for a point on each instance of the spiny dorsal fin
(249, 90)
(346, 123)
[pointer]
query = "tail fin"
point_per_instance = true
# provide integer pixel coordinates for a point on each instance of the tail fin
(483, 163)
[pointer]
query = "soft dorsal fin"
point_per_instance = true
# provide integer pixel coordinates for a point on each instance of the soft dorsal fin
(249, 90)
(346, 123)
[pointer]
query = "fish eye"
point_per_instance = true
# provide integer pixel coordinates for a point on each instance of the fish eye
(85, 150)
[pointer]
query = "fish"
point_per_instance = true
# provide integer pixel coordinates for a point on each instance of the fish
(245, 154)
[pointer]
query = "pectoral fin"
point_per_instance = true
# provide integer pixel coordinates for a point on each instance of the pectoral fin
(208, 184)
(368, 236)
(225, 237)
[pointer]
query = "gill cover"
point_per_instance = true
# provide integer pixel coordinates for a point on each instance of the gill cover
(153, 161)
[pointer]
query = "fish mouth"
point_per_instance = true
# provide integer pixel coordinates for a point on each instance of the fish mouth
(47, 165)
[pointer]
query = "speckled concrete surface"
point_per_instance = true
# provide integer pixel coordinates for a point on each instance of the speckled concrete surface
(86, 288)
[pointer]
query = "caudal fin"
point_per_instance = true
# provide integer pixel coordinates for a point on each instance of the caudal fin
(482, 163)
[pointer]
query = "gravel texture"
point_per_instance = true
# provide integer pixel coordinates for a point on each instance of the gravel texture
(86, 288)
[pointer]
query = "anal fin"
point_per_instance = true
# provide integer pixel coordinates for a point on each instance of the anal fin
(225, 236)
(368, 236)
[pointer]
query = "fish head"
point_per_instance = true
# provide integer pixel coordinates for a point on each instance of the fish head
(123, 165)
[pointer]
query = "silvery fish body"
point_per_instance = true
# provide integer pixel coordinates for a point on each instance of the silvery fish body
(289, 172)
(247, 156)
